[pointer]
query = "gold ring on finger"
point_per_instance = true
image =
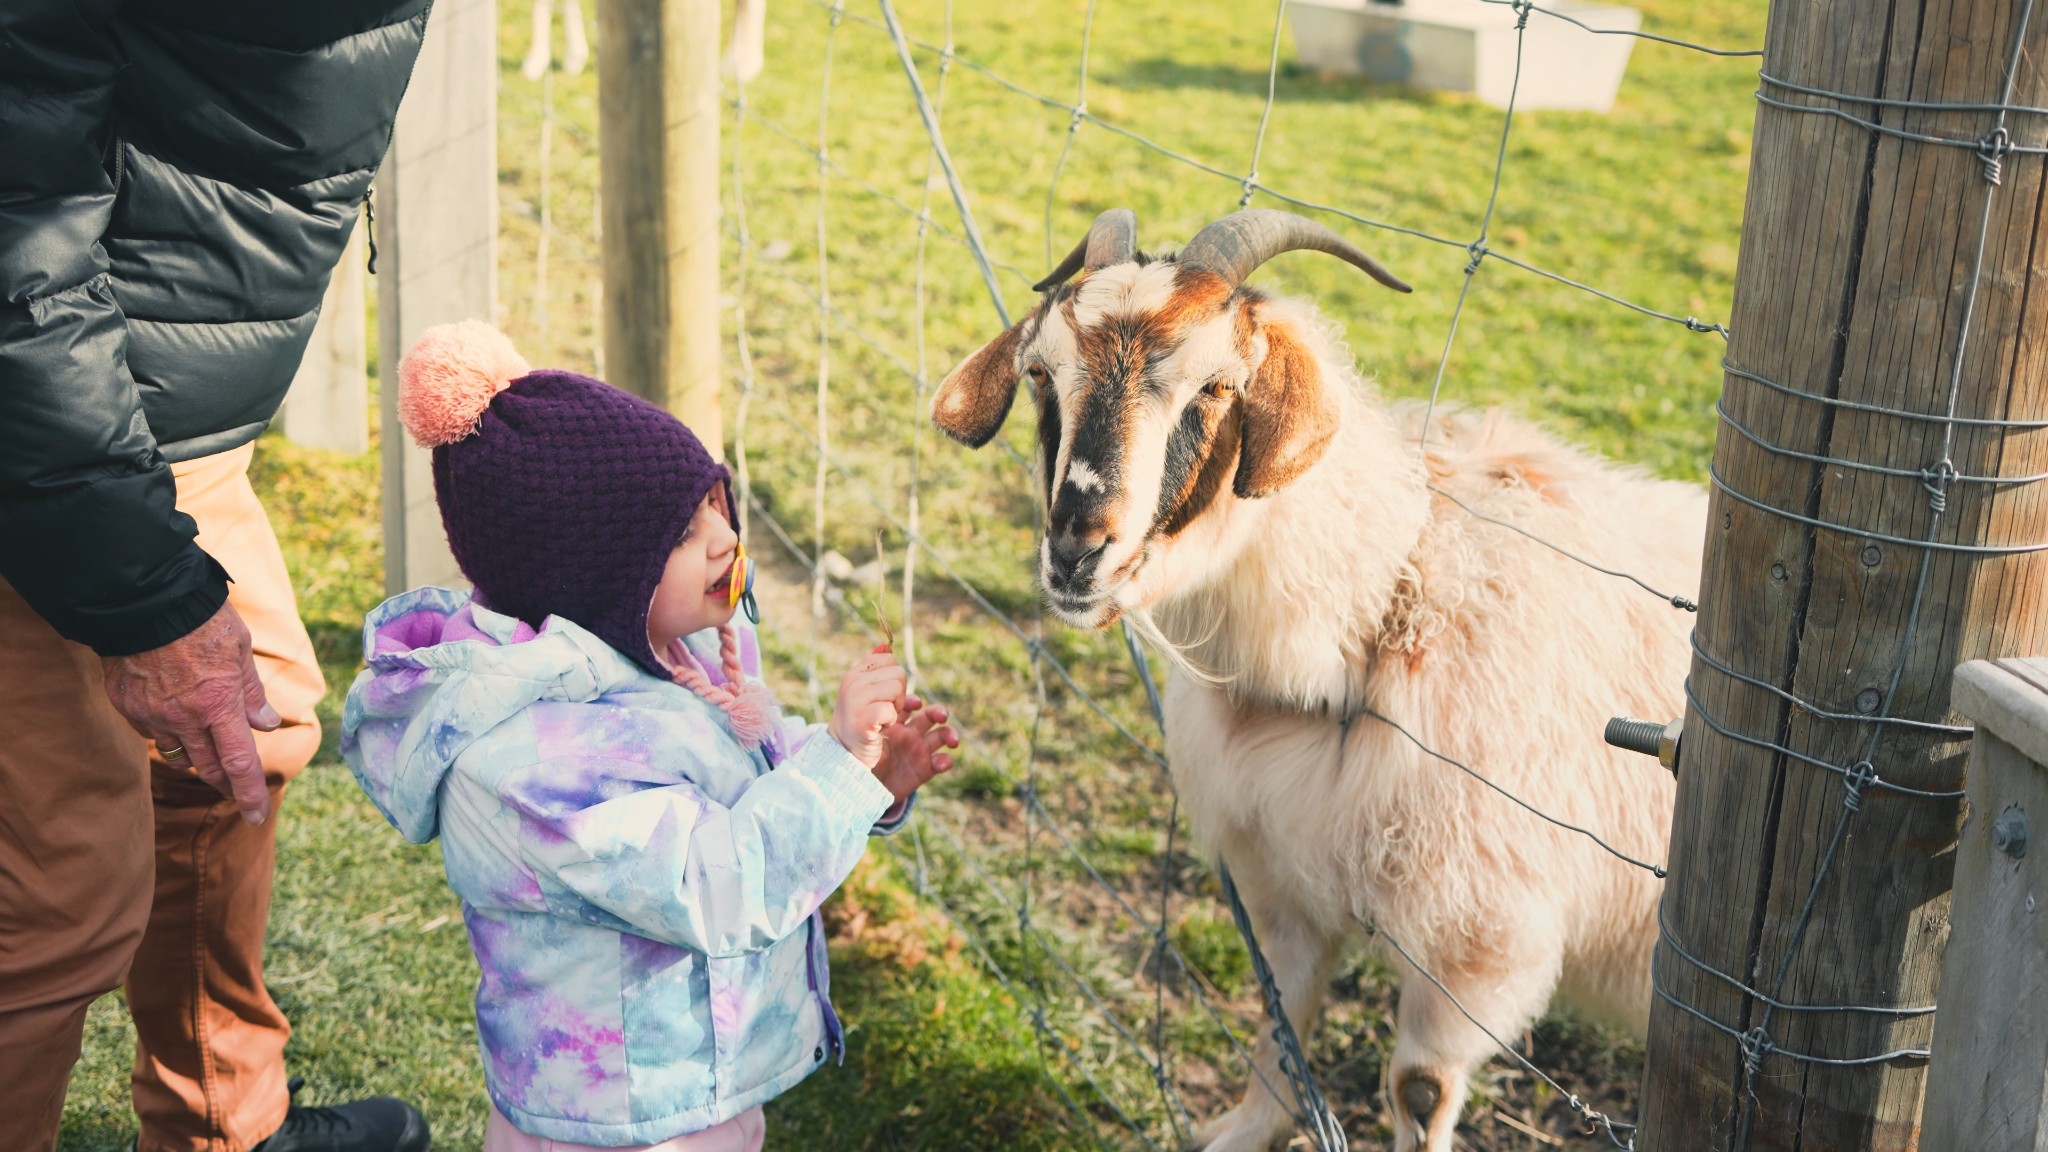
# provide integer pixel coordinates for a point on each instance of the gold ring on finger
(175, 752)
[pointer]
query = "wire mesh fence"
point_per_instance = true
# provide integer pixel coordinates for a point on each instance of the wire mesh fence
(1090, 950)
(864, 260)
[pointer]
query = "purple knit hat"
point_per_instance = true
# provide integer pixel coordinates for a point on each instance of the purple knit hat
(561, 495)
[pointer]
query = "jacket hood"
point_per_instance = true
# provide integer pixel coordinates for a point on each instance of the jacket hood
(441, 670)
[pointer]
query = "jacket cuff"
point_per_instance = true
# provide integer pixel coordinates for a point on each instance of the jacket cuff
(107, 558)
(176, 618)
(847, 784)
(896, 817)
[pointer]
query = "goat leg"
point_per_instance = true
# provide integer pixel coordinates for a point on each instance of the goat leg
(1437, 1047)
(1303, 956)
(539, 54)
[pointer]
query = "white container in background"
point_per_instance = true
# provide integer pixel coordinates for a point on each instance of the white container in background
(1469, 46)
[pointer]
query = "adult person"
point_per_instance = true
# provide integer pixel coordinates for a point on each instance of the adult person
(177, 180)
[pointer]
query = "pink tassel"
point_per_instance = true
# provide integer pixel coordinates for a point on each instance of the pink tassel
(751, 710)
(752, 715)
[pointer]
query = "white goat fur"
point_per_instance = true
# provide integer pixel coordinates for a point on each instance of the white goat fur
(1357, 586)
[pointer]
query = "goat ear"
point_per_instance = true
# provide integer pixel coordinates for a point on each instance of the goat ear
(975, 398)
(1288, 418)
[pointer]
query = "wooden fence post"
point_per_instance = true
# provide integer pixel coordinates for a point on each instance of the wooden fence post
(1987, 1086)
(658, 124)
(329, 402)
(1857, 262)
(437, 225)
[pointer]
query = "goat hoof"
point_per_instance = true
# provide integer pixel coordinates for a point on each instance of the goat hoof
(1421, 1094)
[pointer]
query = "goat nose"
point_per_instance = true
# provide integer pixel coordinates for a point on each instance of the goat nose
(1072, 552)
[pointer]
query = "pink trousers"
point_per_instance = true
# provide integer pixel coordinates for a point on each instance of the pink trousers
(742, 1133)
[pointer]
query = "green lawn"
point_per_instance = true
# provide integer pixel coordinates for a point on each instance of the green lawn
(367, 955)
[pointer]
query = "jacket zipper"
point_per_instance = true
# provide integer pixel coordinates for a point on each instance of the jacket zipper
(115, 162)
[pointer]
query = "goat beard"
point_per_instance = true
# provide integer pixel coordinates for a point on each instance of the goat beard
(1147, 627)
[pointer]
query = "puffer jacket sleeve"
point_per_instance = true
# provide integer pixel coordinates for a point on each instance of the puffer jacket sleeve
(89, 531)
(177, 181)
(677, 866)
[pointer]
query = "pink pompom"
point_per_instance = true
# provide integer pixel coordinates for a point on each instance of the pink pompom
(449, 376)
(751, 715)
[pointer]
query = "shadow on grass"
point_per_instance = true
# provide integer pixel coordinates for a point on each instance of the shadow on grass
(1295, 84)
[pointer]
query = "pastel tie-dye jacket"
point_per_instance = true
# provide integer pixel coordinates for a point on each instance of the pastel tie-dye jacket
(640, 890)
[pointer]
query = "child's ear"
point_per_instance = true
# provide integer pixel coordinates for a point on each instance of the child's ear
(975, 399)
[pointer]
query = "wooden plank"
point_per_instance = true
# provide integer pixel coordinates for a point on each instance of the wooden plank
(658, 120)
(1856, 260)
(2008, 697)
(329, 402)
(1987, 1086)
(437, 225)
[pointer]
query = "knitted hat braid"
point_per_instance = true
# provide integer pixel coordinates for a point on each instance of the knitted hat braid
(750, 708)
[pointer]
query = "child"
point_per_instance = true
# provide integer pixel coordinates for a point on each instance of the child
(639, 840)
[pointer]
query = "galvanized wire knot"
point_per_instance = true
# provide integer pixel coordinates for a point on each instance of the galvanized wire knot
(1250, 185)
(1080, 113)
(1756, 1044)
(1682, 602)
(1936, 478)
(1991, 152)
(1477, 250)
(1522, 9)
(1860, 775)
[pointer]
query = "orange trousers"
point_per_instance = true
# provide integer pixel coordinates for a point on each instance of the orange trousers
(117, 869)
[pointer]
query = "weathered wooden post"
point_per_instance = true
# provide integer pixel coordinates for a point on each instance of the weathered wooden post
(1987, 1086)
(658, 118)
(437, 228)
(1856, 551)
(329, 402)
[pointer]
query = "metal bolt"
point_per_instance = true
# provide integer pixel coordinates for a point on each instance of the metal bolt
(1871, 555)
(1727, 520)
(2009, 833)
(1868, 700)
(1778, 572)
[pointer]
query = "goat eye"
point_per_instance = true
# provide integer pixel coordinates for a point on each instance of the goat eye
(1038, 376)
(1219, 387)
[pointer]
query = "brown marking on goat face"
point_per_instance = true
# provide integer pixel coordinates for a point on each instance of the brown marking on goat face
(1289, 418)
(975, 398)
(1198, 295)
(1211, 431)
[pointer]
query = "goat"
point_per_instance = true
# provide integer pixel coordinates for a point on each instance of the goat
(1212, 466)
(743, 55)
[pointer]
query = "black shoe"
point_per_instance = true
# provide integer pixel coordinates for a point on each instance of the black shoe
(378, 1124)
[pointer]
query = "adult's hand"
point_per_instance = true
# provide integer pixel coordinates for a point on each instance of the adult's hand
(200, 693)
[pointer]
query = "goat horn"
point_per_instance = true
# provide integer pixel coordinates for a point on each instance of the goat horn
(1112, 239)
(1236, 245)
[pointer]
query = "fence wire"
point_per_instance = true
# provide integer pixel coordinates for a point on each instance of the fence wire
(1755, 1042)
(1057, 996)
(1053, 991)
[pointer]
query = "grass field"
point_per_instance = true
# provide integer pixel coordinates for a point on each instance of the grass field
(367, 955)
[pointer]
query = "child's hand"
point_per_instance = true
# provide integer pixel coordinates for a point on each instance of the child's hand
(869, 696)
(915, 748)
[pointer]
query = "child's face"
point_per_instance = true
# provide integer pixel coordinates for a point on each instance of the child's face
(694, 591)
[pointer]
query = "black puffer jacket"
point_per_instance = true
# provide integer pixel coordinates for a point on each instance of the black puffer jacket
(177, 180)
